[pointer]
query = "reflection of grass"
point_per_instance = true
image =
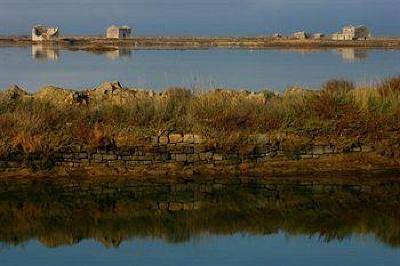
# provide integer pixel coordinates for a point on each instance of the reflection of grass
(58, 217)
(121, 117)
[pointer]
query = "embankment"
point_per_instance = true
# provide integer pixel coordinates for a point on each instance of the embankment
(179, 132)
(96, 43)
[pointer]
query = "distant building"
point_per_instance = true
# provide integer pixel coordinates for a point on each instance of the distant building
(118, 32)
(277, 36)
(318, 36)
(351, 33)
(301, 35)
(44, 33)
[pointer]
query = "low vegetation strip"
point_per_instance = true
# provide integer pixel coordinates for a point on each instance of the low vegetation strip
(110, 119)
(97, 43)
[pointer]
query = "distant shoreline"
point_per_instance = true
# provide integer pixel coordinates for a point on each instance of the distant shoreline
(93, 43)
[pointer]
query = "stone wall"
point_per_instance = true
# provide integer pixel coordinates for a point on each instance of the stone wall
(181, 155)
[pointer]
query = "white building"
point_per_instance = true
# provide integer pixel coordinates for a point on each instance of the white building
(318, 36)
(301, 35)
(350, 33)
(118, 32)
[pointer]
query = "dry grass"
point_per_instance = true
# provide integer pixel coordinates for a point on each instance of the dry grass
(338, 110)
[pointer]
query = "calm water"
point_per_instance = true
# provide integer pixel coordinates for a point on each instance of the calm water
(201, 17)
(273, 222)
(35, 67)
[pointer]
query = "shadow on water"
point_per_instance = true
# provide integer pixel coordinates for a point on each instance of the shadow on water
(67, 211)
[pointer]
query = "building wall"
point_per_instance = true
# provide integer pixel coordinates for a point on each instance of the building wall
(118, 33)
(42, 33)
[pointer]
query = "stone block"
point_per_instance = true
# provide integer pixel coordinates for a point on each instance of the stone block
(76, 148)
(81, 155)
(163, 205)
(206, 156)
(180, 157)
(218, 157)
(154, 140)
(175, 206)
(190, 158)
(85, 162)
(200, 148)
(318, 150)
(67, 156)
(162, 157)
(173, 148)
(116, 164)
(163, 140)
(197, 139)
(196, 157)
(366, 148)
(97, 157)
(109, 157)
(175, 138)
(128, 158)
(188, 138)
(329, 149)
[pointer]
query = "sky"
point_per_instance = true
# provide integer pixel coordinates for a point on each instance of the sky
(200, 17)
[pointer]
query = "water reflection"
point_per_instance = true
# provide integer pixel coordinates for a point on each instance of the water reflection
(44, 53)
(49, 53)
(119, 53)
(65, 212)
(352, 55)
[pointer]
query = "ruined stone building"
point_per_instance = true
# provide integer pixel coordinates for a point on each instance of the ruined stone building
(318, 36)
(301, 35)
(118, 32)
(351, 33)
(44, 33)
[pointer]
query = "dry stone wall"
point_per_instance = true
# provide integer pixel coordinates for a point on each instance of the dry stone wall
(179, 153)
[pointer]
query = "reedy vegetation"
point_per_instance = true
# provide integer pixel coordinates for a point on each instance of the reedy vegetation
(339, 111)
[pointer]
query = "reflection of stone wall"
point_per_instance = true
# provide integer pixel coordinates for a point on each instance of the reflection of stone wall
(186, 155)
(113, 210)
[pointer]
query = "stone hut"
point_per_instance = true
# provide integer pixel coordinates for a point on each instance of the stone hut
(301, 35)
(318, 36)
(351, 33)
(44, 33)
(118, 32)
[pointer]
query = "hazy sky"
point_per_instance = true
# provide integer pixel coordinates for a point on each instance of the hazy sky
(205, 17)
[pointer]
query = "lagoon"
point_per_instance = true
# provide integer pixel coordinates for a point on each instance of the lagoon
(336, 220)
(276, 69)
